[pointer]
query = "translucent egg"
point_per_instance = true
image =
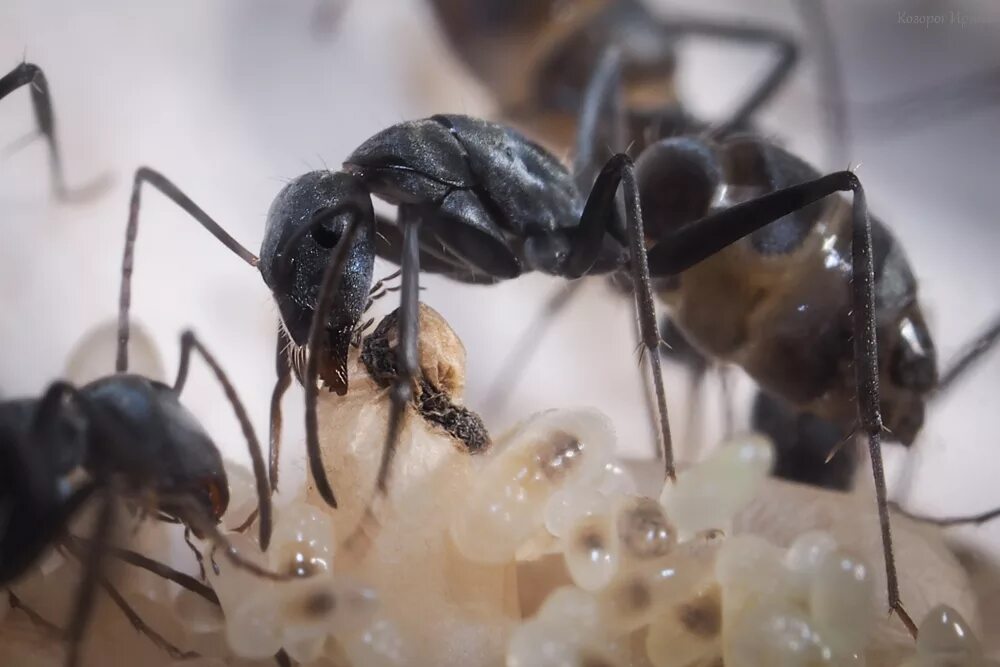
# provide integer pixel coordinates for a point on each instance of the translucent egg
(643, 529)
(552, 451)
(303, 541)
(774, 633)
(591, 551)
(710, 493)
(804, 557)
(232, 584)
(640, 592)
(94, 354)
(946, 640)
(688, 633)
(196, 614)
(566, 632)
(305, 650)
(842, 601)
(534, 644)
(572, 607)
(377, 645)
(253, 629)
(616, 481)
(749, 569)
(567, 506)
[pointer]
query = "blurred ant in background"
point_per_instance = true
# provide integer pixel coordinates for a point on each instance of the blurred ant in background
(537, 57)
(27, 74)
(120, 438)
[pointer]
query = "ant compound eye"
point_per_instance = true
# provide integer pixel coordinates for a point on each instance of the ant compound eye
(325, 237)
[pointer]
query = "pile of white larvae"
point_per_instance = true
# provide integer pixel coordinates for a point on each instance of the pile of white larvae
(539, 552)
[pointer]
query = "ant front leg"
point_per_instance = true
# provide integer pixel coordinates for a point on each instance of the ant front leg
(407, 356)
(190, 342)
(586, 247)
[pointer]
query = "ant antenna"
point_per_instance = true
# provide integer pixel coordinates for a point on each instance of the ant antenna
(190, 342)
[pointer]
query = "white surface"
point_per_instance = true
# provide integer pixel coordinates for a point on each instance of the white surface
(229, 99)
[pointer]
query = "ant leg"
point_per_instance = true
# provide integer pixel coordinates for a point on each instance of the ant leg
(586, 247)
(974, 519)
(28, 74)
(601, 122)
(967, 358)
(75, 546)
(172, 192)
(389, 246)
(34, 616)
(283, 369)
(833, 96)
(198, 557)
(92, 564)
(407, 368)
(195, 517)
(407, 356)
(162, 570)
(690, 244)
(159, 640)
(190, 342)
(764, 90)
(332, 277)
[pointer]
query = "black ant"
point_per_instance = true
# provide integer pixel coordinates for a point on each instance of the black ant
(478, 202)
(120, 437)
(537, 58)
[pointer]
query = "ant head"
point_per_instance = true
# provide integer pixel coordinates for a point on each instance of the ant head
(305, 223)
(145, 437)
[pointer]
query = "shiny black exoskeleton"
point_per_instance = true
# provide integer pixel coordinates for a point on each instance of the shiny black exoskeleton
(122, 437)
(124, 430)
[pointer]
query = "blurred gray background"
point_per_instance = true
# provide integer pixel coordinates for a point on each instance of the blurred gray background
(232, 98)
